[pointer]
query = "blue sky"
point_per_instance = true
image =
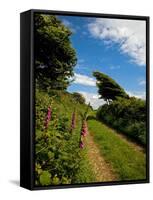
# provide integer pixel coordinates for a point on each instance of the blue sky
(112, 46)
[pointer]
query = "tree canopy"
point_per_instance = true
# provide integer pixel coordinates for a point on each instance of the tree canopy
(79, 97)
(108, 88)
(54, 55)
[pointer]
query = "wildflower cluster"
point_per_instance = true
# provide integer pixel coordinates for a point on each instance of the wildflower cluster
(48, 117)
(54, 143)
(57, 150)
(84, 132)
(84, 128)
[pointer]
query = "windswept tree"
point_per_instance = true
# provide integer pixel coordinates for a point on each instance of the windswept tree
(108, 88)
(55, 57)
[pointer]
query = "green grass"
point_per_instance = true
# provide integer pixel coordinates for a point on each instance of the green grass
(128, 163)
(85, 173)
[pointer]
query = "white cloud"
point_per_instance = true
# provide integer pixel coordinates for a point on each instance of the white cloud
(84, 80)
(66, 22)
(69, 25)
(129, 34)
(140, 95)
(80, 63)
(81, 60)
(115, 67)
(142, 82)
(93, 98)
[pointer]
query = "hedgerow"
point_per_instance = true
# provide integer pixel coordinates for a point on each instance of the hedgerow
(127, 116)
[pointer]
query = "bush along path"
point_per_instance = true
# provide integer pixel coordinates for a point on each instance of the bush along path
(126, 160)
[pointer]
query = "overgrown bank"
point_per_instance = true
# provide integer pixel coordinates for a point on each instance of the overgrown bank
(58, 158)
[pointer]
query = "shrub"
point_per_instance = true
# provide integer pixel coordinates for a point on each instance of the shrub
(127, 116)
(79, 98)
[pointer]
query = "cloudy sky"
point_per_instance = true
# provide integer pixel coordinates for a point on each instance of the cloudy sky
(113, 46)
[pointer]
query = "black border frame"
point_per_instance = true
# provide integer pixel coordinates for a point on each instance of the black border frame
(27, 98)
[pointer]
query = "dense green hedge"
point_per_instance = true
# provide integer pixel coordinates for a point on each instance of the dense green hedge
(127, 116)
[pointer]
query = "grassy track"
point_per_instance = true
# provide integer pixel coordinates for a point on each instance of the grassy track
(128, 162)
(103, 171)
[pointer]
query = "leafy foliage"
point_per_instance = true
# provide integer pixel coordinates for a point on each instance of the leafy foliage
(79, 98)
(127, 116)
(45, 178)
(54, 55)
(57, 153)
(108, 88)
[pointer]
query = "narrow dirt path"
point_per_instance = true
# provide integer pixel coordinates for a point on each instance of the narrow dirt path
(102, 170)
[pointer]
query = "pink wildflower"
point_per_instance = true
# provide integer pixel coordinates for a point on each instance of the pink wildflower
(48, 117)
(81, 145)
(84, 130)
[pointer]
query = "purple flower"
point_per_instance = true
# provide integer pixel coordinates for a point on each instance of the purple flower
(84, 130)
(48, 117)
(81, 145)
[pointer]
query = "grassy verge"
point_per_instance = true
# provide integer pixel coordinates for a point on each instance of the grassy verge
(127, 162)
(85, 173)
